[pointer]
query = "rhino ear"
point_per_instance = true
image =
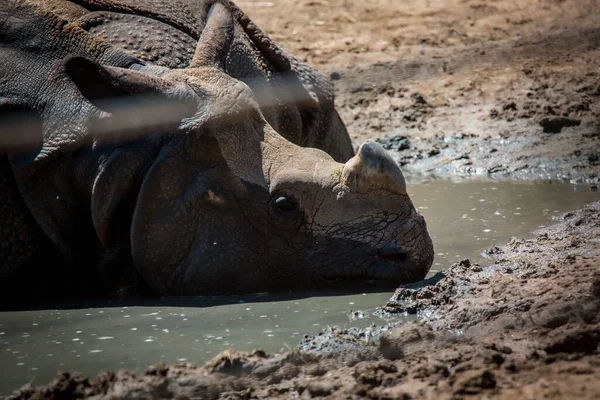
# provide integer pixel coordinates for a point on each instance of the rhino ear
(216, 38)
(99, 83)
(137, 101)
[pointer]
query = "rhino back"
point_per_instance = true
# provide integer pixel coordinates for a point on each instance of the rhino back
(295, 99)
(151, 36)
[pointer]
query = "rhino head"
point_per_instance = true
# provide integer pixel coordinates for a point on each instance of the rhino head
(231, 205)
(224, 203)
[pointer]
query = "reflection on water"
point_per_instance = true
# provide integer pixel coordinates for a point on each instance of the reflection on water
(463, 219)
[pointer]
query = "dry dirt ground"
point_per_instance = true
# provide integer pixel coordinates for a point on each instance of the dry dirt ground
(503, 88)
(455, 87)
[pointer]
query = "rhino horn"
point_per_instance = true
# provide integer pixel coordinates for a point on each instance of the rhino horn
(215, 40)
(372, 167)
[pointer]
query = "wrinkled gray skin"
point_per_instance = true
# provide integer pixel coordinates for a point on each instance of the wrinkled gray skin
(172, 148)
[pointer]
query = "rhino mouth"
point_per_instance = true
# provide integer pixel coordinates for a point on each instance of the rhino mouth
(386, 267)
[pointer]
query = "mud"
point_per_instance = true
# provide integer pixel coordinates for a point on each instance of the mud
(456, 88)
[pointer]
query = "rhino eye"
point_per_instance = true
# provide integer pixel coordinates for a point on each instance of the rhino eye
(284, 204)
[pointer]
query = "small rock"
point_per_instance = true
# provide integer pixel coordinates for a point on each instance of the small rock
(335, 76)
(393, 344)
(510, 106)
(317, 370)
(555, 124)
(496, 358)
(472, 382)
(418, 99)
(501, 348)
(548, 110)
(320, 388)
(489, 253)
(584, 341)
(158, 369)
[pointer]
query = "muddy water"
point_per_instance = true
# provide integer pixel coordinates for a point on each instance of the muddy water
(463, 219)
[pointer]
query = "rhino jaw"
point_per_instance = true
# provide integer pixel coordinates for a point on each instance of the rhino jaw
(373, 167)
(407, 257)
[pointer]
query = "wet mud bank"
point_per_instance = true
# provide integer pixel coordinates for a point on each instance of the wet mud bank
(525, 108)
(527, 325)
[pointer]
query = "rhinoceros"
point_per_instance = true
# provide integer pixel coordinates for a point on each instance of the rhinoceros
(172, 148)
